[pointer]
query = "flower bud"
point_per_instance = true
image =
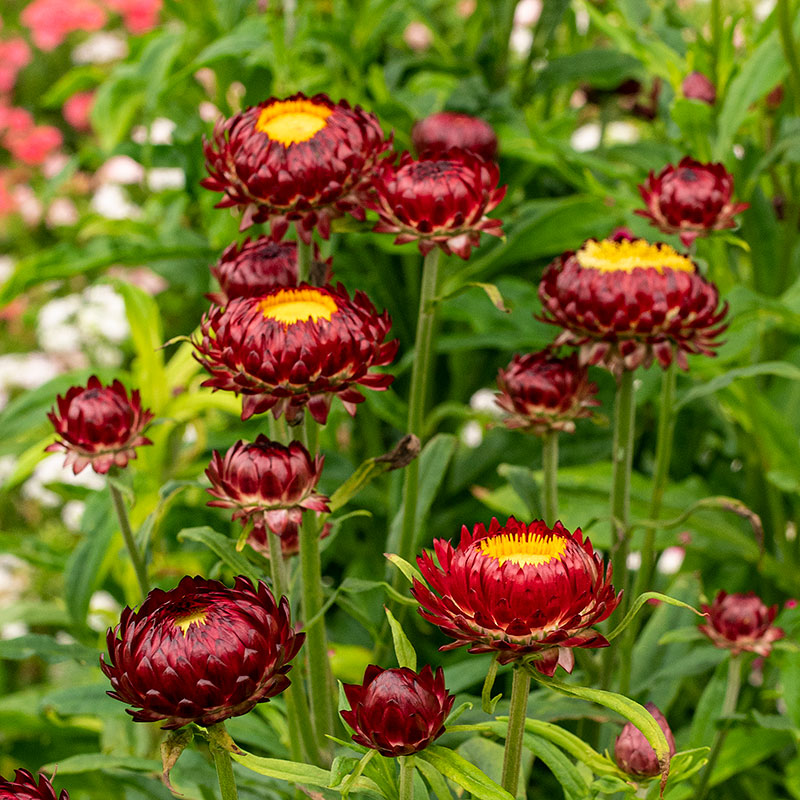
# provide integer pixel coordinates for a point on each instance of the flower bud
(741, 622)
(697, 86)
(634, 754)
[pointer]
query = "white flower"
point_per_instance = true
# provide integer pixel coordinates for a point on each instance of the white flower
(111, 201)
(521, 40)
(471, 434)
(100, 48)
(585, 138)
(72, 514)
(671, 560)
(120, 169)
(51, 470)
(161, 178)
(527, 13)
(485, 400)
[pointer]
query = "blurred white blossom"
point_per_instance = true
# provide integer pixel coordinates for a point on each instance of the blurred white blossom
(100, 48)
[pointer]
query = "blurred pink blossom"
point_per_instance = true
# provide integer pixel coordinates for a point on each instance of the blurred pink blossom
(14, 55)
(139, 16)
(27, 204)
(34, 145)
(418, 36)
(14, 119)
(77, 109)
(51, 21)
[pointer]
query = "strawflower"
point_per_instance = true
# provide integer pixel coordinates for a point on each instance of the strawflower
(24, 787)
(446, 130)
(741, 623)
(634, 754)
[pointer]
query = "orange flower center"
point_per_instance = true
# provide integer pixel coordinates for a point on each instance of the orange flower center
(293, 121)
(527, 549)
(197, 617)
(625, 256)
(298, 305)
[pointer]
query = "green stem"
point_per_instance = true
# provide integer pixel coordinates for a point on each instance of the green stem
(223, 763)
(420, 374)
(406, 777)
(624, 414)
(550, 477)
(302, 744)
(127, 534)
(305, 255)
(790, 51)
(512, 758)
(644, 578)
(728, 710)
(716, 39)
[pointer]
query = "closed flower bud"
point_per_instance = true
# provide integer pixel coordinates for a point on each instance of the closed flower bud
(697, 86)
(691, 199)
(302, 159)
(398, 712)
(741, 622)
(201, 652)
(542, 392)
(24, 787)
(99, 425)
(634, 754)
(441, 132)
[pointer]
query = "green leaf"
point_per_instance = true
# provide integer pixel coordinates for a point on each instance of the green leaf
(222, 546)
(410, 571)
(640, 601)
(625, 707)
(781, 369)
(46, 648)
(92, 762)
(404, 650)
(461, 772)
(563, 769)
(435, 780)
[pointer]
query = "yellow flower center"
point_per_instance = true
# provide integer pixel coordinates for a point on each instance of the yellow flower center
(197, 617)
(297, 305)
(528, 549)
(293, 121)
(625, 256)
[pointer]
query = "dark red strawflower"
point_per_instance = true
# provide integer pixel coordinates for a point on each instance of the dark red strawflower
(201, 652)
(302, 159)
(446, 130)
(440, 201)
(24, 787)
(268, 484)
(256, 267)
(741, 622)
(690, 199)
(697, 86)
(525, 592)
(542, 392)
(292, 348)
(398, 712)
(290, 539)
(626, 302)
(99, 425)
(634, 754)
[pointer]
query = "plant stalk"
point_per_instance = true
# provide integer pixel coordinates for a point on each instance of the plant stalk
(222, 762)
(550, 477)
(420, 375)
(728, 710)
(305, 255)
(407, 777)
(139, 566)
(512, 757)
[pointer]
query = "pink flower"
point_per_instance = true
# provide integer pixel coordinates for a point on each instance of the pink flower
(139, 16)
(14, 55)
(14, 119)
(77, 109)
(51, 21)
(34, 145)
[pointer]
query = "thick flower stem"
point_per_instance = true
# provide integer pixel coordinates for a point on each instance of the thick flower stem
(420, 374)
(302, 744)
(127, 534)
(406, 777)
(728, 710)
(222, 762)
(304, 258)
(624, 412)
(512, 758)
(666, 429)
(550, 477)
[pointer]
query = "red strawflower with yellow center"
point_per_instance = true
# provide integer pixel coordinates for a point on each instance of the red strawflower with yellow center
(446, 130)
(267, 483)
(625, 302)
(741, 622)
(302, 159)
(398, 712)
(441, 201)
(526, 592)
(24, 787)
(542, 392)
(99, 425)
(690, 199)
(201, 652)
(634, 754)
(292, 348)
(256, 267)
